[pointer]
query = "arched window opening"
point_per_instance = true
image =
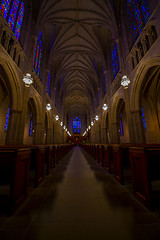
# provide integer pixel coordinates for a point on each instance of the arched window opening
(7, 120)
(13, 12)
(138, 15)
(77, 125)
(19, 21)
(5, 5)
(37, 54)
(31, 125)
(115, 60)
(143, 118)
(121, 124)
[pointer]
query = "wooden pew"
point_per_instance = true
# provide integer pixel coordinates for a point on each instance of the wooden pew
(37, 163)
(145, 167)
(14, 172)
(49, 159)
(107, 157)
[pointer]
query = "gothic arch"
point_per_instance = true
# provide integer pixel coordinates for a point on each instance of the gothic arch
(145, 95)
(12, 82)
(139, 81)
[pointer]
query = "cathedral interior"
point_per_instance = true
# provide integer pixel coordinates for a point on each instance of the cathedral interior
(80, 119)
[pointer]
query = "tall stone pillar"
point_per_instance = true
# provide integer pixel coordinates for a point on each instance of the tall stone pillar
(38, 133)
(138, 131)
(115, 133)
(14, 127)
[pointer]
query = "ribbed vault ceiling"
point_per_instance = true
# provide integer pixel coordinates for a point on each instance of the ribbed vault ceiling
(77, 34)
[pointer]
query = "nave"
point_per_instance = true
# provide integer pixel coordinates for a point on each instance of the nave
(81, 201)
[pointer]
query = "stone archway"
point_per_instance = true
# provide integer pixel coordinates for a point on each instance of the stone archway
(145, 103)
(119, 121)
(10, 98)
(34, 108)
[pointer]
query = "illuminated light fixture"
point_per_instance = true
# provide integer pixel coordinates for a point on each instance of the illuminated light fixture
(105, 107)
(28, 80)
(125, 81)
(48, 106)
(64, 127)
(84, 133)
(92, 123)
(96, 117)
(57, 117)
(89, 127)
(61, 123)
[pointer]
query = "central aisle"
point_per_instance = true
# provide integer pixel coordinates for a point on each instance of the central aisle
(80, 201)
(81, 209)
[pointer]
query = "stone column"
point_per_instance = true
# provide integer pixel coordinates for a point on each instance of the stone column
(6, 42)
(127, 106)
(38, 133)
(1, 31)
(14, 127)
(138, 130)
(48, 136)
(115, 133)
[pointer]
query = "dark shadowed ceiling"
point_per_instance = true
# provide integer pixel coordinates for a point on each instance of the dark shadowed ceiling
(77, 36)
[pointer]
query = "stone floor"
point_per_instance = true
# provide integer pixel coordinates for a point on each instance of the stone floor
(80, 201)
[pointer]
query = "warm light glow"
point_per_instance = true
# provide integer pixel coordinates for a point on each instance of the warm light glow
(64, 127)
(89, 127)
(105, 107)
(96, 117)
(61, 124)
(92, 123)
(84, 134)
(48, 107)
(125, 81)
(28, 80)
(57, 117)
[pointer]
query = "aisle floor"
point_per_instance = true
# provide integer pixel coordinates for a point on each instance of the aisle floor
(80, 201)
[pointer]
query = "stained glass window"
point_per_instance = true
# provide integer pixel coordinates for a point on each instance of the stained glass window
(13, 13)
(7, 120)
(31, 125)
(143, 118)
(48, 83)
(19, 21)
(76, 125)
(37, 54)
(121, 125)
(115, 60)
(5, 7)
(138, 16)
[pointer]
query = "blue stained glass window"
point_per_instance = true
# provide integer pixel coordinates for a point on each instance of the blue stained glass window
(7, 120)
(37, 54)
(143, 118)
(48, 83)
(138, 16)
(13, 13)
(19, 21)
(121, 125)
(31, 125)
(76, 125)
(5, 7)
(115, 60)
